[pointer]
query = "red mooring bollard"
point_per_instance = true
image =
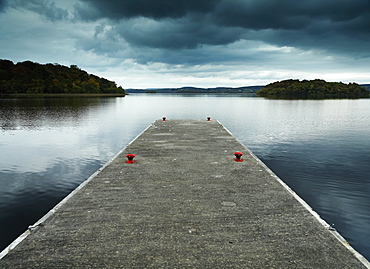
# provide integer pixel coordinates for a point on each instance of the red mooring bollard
(208, 118)
(238, 156)
(130, 158)
(164, 118)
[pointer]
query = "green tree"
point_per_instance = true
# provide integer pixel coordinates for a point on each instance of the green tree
(30, 77)
(312, 89)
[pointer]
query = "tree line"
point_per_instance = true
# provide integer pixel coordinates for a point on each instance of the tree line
(34, 78)
(318, 88)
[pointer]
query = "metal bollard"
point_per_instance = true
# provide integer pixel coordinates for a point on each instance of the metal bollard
(238, 156)
(130, 158)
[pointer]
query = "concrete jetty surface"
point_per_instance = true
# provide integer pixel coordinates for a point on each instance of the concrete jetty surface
(184, 203)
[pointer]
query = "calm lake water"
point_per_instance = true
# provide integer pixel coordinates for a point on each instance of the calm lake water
(320, 148)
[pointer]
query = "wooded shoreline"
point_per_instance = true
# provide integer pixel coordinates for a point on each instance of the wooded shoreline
(34, 78)
(312, 89)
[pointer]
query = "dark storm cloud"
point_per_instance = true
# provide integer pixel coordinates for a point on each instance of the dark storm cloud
(288, 14)
(340, 26)
(186, 33)
(3, 4)
(158, 28)
(159, 9)
(46, 8)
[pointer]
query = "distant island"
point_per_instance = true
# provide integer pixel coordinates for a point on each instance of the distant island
(294, 88)
(284, 89)
(184, 90)
(34, 78)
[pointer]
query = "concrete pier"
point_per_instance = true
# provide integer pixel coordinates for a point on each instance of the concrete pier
(184, 203)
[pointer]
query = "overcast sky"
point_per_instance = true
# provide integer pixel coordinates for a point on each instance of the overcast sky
(204, 43)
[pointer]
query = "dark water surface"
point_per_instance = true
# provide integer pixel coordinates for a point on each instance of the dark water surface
(320, 148)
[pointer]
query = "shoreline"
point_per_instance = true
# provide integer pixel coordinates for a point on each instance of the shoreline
(65, 95)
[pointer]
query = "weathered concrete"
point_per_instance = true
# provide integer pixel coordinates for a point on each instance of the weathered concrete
(184, 203)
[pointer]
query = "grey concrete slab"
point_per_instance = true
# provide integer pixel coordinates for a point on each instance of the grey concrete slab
(184, 203)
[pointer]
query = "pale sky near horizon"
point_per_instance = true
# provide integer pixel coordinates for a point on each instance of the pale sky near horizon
(201, 43)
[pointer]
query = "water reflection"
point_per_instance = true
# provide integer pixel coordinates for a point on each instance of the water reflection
(37, 113)
(320, 148)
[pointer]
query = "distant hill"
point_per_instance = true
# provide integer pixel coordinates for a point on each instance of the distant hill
(34, 78)
(246, 89)
(294, 88)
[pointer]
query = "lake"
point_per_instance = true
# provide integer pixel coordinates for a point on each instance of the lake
(320, 148)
